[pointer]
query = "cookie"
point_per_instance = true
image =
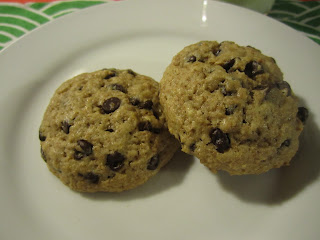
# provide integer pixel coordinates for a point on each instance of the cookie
(229, 106)
(105, 131)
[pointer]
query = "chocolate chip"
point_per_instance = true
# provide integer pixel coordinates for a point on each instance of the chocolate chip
(118, 87)
(230, 110)
(65, 126)
(153, 162)
(286, 143)
(78, 155)
(192, 59)
(111, 175)
(260, 87)
(251, 94)
(42, 137)
(216, 52)
(110, 75)
(146, 105)
(252, 69)
(91, 177)
(43, 155)
(303, 114)
(85, 146)
(115, 161)
(227, 66)
(284, 87)
(109, 130)
(192, 147)
(155, 114)
(111, 104)
(145, 126)
(86, 149)
(134, 101)
(132, 72)
(156, 130)
(220, 140)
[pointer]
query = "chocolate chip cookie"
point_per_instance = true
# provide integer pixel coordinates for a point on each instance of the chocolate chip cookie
(229, 106)
(105, 131)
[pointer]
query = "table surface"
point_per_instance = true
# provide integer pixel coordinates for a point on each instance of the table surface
(18, 17)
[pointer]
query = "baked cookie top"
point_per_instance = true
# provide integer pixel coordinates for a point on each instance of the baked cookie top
(105, 131)
(229, 106)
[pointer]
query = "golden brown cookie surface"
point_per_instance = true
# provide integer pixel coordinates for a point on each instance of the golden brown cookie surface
(104, 131)
(229, 106)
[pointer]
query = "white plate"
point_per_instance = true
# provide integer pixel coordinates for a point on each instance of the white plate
(185, 201)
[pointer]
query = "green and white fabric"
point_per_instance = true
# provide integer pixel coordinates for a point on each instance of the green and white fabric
(303, 16)
(17, 19)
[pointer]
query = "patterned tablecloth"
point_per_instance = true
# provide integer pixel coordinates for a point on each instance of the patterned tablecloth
(20, 16)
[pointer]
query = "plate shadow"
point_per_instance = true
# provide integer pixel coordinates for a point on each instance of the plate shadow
(280, 185)
(169, 176)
